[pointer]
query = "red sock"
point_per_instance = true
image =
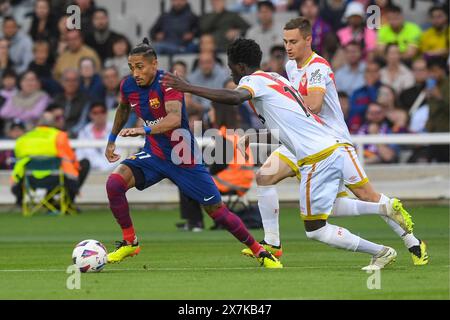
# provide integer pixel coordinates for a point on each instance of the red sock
(236, 227)
(116, 188)
(129, 235)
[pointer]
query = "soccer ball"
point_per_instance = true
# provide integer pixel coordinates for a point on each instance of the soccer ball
(90, 256)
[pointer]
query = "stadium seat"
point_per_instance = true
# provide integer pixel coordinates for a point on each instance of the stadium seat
(48, 192)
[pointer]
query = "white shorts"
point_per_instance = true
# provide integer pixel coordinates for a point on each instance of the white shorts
(319, 186)
(353, 173)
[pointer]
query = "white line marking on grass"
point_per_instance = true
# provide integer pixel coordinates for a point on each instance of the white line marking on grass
(202, 269)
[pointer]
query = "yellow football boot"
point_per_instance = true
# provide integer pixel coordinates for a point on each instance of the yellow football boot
(267, 260)
(276, 251)
(123, 250)
(419, 254)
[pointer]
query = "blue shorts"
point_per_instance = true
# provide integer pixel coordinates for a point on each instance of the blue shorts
(195, 182)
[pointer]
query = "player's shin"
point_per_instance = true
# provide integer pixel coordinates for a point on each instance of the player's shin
(341, 238)
(269, 208)
(116, 187)
(236, 227)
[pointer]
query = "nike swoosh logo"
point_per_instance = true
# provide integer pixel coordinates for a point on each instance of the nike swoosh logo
(134, 105)
(207, 199)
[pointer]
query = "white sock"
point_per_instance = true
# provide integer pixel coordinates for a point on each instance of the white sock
(269, 209)
(408, 238)
(341, 238)
(352, 207)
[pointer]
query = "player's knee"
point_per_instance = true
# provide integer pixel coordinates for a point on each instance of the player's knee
(115, 185)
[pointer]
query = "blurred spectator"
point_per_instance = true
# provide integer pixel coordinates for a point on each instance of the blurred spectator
(28, 103)
(97, 129)
(384, 6)
(62, 39)
(363, 96)
(277, 60)
(193, 108)
(76, 50)
(87, 8)
(46, 140)
(224, 25)
(119, 60)
(351, 75)
(405, 33)
(175, 30)
(9, 84)
(42, 66)
(332, 12)
(101, 38)
(408, 97)
(344, 101)
(20, 45)
(397, 117)
(435, 40)
(75, 103)
(356, 29)
(266, 33)
(58, 114)
(395, 72)
(208, 74)
(437, 89)
(324, 41)
(377, 123)
(44, 25)
(15, 129)
(5, 62)
(90, 81)
(207, 44)
(245, 6)
(111, 83)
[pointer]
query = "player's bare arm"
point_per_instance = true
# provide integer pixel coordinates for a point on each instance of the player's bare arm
(121, 117)
(227, 96)
(314, 100)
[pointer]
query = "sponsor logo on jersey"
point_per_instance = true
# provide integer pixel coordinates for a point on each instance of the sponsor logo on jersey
(153, 122)
(316, 77)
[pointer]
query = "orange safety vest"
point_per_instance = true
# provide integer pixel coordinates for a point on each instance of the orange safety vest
(239, 174)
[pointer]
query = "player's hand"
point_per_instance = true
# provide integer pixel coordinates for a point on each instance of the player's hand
(242, 146)
(170, 80)
(132, 132)
(110, 154)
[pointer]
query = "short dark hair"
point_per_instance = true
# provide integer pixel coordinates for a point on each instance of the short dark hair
(101, 9)
(440, 62)
(300, 23)
(394, 9)
(389, 45)
(179, 62)
(144, 49)
(352, 43)
(100, 104)
(438, 8)
(245, 51)
(9, 72)
(267, 4)
(54, 106)
(9, 18)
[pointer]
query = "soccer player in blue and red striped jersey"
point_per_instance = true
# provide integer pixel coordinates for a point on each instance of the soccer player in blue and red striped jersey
(164, 112)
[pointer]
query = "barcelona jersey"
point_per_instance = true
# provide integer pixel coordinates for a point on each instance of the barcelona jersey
(149, 104)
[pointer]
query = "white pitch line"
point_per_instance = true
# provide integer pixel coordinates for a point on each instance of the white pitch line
(198, 269)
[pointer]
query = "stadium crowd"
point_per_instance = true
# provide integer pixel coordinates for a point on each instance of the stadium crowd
(390, 80)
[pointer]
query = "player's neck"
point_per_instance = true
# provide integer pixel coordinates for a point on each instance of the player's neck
(304, 59)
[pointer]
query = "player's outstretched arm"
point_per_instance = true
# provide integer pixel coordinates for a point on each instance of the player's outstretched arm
(226, 96)
(121, 117)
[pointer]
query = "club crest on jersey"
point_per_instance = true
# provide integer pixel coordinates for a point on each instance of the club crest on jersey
(154, 103)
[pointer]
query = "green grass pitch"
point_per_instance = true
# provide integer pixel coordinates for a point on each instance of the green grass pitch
(35, 253)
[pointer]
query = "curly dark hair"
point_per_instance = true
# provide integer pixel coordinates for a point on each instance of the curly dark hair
(245, 51)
